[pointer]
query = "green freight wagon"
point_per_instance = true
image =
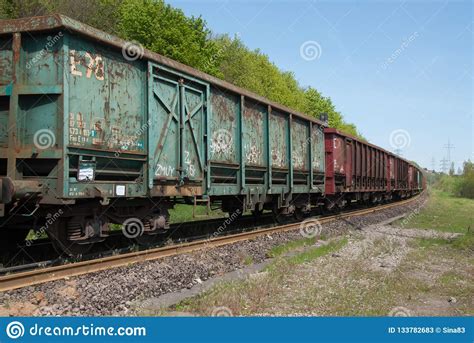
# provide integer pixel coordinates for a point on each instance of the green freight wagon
(96, 130)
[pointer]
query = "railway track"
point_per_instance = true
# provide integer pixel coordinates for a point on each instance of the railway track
(37, 276)
(33, 256)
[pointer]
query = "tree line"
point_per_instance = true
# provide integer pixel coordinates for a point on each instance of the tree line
(166, 30)
(461, 185)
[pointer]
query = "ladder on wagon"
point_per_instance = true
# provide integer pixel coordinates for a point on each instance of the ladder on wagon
(197, 200)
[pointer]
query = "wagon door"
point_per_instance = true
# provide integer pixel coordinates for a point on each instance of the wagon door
(177, 118)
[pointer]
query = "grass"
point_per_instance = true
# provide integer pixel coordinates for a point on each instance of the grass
(292, 245)
(184, 213)
(248, 260)
(310, 281)
(423, 283)
(464, 242)
(444, 212)
(434, 271)
(309, 255)
(450, 278)
(425, 243)
(312, 254)
(252, 295)
(449, 263)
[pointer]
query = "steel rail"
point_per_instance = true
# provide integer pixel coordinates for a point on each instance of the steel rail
(38, 276)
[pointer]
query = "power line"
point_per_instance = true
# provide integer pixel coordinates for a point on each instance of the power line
(433, 163)
(444, 163)
(448, 148)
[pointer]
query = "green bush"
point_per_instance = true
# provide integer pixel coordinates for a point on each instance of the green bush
(448, 184)
(465, 186)
(458, 185)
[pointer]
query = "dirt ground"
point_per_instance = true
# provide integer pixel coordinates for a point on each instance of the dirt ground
(379, 270)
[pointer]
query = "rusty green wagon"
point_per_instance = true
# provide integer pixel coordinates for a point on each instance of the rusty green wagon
(96, 130)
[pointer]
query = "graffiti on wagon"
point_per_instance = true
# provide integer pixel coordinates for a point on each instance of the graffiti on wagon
(164, 169)
(222, 143)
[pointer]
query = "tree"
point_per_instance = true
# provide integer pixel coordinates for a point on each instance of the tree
(465, 187)
(104, 16)
(317, 104)
(468, 168)
(253, 70)
(451, 169)
(167, 31)
(6, 9)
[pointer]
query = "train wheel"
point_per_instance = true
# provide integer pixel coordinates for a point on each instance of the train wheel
(257, 213)
(62, 244)
(153, 228)
(279, 217)
(72, 249)
(299, 214)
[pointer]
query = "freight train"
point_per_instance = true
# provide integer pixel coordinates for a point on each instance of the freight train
(95, 131)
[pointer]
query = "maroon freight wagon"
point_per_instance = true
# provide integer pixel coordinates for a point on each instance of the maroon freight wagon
(357, 170)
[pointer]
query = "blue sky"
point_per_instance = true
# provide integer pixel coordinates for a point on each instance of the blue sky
(401, 71)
